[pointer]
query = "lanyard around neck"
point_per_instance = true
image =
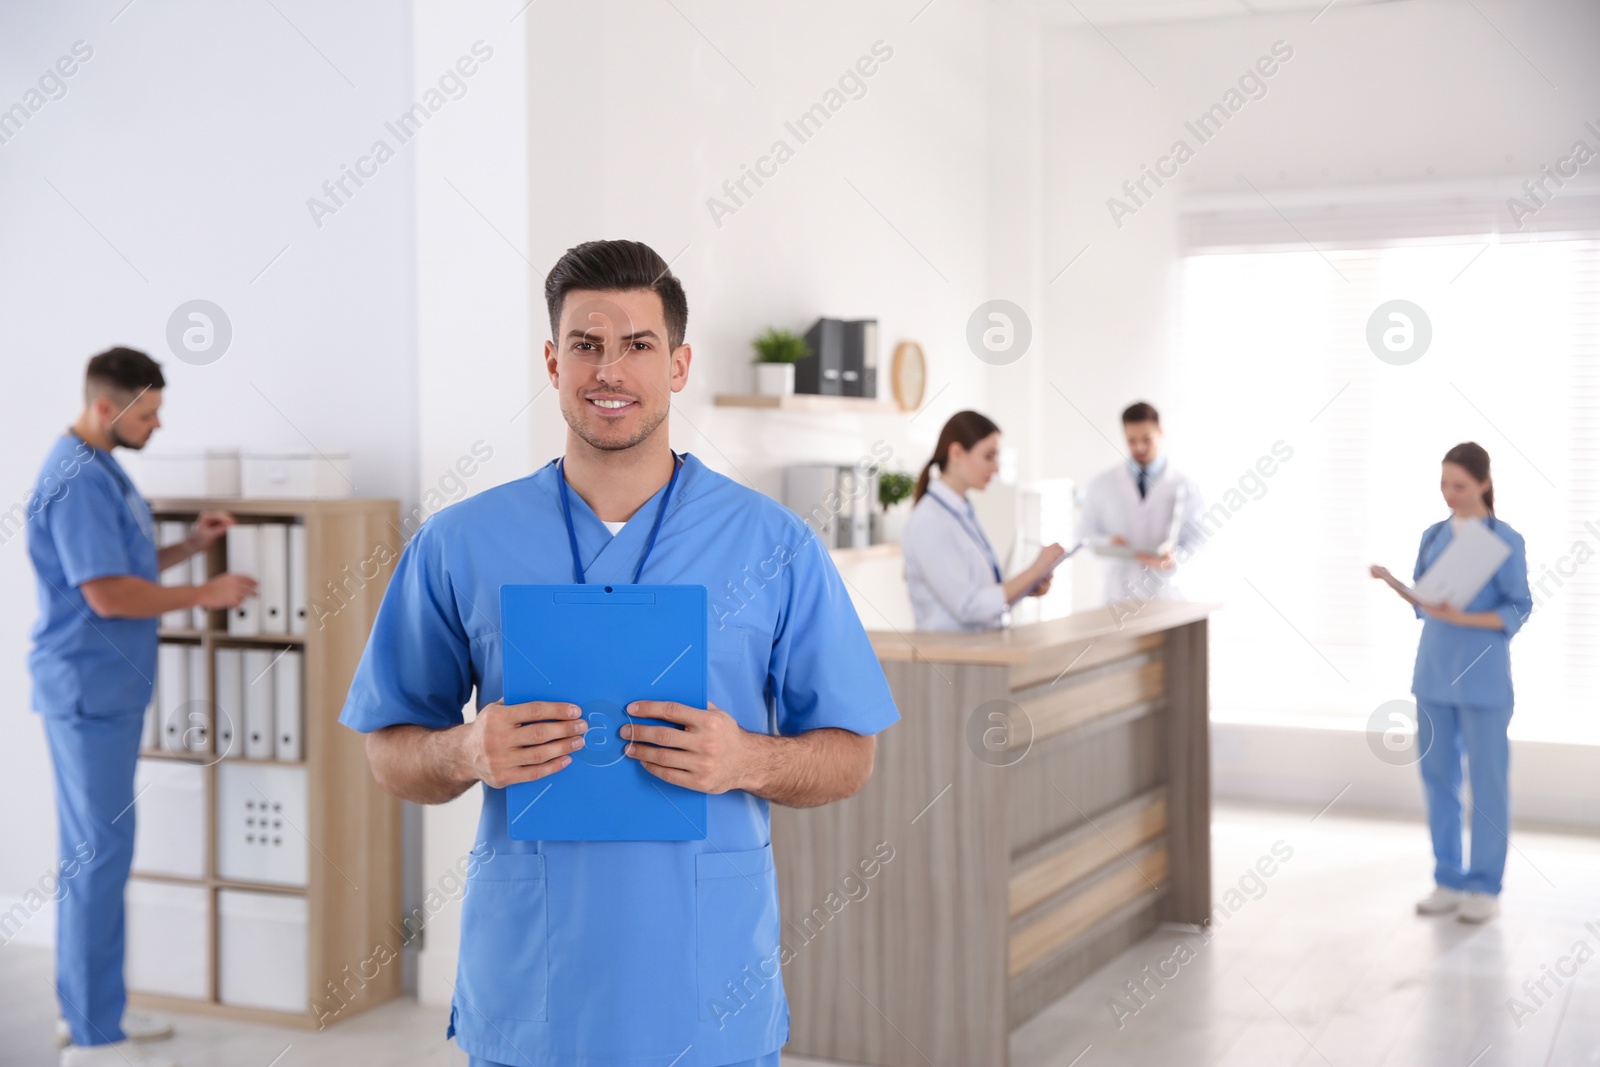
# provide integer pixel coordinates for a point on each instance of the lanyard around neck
(982, 542)
(572, 533)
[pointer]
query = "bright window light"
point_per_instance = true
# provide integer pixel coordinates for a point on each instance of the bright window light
(1274, 349)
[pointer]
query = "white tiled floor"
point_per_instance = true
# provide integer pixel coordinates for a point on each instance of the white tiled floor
(1326, 964)
(1323, 964)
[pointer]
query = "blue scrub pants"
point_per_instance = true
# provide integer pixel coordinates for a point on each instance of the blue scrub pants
(1446, 732)
(769, 1060)
(94, 761)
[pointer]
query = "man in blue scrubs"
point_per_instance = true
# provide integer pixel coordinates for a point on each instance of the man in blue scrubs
(622, 953)
(92, 543)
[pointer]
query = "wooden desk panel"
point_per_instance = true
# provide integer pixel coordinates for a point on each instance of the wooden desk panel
(1023, 857)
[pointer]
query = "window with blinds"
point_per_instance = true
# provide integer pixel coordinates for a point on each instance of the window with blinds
(1274, 353)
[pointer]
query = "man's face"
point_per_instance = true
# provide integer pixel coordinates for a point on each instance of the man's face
(1144, 441)
(131, 420)
(612, 366)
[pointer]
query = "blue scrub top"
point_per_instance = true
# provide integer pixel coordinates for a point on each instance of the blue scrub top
(630, 953)
(86, 521)
(1462, 664)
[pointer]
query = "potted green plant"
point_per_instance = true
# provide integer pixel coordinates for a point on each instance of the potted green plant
(777, 351)
(893, 487)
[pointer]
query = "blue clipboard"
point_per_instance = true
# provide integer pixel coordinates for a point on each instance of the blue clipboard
(601, 647)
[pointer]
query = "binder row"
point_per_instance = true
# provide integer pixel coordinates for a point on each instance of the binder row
(193, 573)
(274, 554)
(258, 712)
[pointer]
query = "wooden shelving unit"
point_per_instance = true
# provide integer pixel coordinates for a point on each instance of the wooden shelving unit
(852, 405)
(352, 829)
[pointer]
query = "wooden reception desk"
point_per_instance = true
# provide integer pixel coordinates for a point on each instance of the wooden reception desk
(1046, 797)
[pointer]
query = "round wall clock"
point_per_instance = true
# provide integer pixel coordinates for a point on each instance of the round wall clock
(910, 374)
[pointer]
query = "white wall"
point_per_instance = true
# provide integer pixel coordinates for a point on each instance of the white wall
(177, 166)
(1551, 784)
(1423, 90)
(476, 381)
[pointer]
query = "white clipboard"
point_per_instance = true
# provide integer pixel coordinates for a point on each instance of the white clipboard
(1052, 571)
(1465, 566)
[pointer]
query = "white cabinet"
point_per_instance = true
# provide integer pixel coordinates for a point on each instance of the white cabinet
(169, 939)
(296, 474)
(261, 822)
(261, 950)
(169, 834)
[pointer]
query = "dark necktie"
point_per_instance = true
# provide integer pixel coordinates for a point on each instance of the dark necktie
(1143, 483)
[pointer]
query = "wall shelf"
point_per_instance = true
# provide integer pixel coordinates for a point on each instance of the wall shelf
(224, 637)
(853, 405)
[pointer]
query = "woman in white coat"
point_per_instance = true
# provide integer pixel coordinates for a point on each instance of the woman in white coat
(951, 569)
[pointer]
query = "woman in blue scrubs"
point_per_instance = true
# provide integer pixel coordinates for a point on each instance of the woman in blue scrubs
(1462, 682)
(952, 571)
(622, 953)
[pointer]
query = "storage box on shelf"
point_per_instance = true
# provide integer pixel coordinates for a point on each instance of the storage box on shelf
(267, 861)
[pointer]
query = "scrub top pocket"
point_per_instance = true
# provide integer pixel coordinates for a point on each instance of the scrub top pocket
(737, 934)
(505, 915)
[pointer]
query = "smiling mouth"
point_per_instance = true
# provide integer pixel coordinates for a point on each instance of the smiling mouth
(612, 407)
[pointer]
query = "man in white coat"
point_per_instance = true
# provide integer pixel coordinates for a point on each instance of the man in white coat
(1141, 515)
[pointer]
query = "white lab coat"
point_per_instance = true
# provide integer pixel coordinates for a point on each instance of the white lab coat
(1170, 510)
(949, 566)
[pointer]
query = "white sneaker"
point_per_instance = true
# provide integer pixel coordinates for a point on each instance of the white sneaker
(122, 1054)
(1479, 908)
(1441, 901)
(136, 1026)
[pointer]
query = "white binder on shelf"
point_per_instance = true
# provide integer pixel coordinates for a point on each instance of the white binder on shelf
(273, 551)
(172, 683)
(150, 740)
(230, 703)
(200, 618)
(197, 716)
(169, 938)
(297, 579)
(287, 704)
(261, 950)
(244, 557)
(169, 533)
(258, 709)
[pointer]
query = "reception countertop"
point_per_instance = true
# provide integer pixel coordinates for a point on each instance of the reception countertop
(1020, 644)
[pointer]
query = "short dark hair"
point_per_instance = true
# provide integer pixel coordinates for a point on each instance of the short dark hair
(615, 267)
(1139, 411)
(121, 370)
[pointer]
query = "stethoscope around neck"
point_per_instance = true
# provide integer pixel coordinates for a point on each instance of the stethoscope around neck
(977, 537)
